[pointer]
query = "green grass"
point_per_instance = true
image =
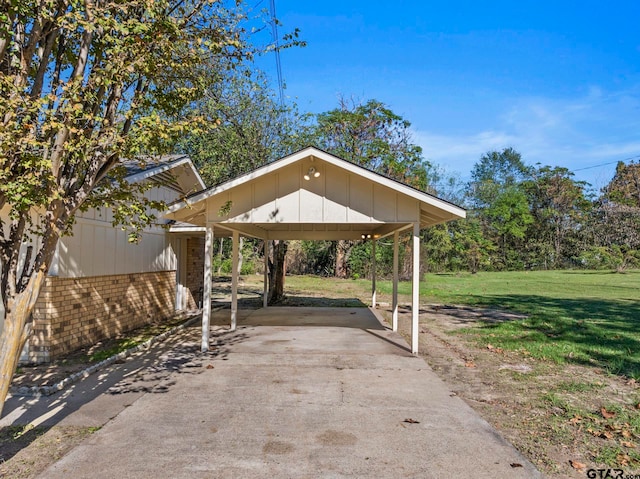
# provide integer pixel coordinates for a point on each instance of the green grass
(122, 345)
(583, 317)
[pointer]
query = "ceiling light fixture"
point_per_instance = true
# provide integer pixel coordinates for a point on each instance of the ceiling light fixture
(312, 173)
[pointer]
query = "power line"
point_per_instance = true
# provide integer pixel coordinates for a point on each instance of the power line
(608, 163)
(274, 33)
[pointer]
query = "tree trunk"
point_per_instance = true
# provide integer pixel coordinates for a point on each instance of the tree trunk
(277, 271)
(15, 331)
(341, 258)
(21, 285)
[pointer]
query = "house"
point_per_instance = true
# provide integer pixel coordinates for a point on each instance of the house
(99, 284)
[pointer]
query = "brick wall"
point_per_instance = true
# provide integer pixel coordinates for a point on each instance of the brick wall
(195, 271)
(76, 312)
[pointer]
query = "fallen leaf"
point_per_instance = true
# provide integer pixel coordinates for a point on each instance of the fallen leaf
(628, 444)
(638, 406)
(515, 464)
(606, 434)
(623, 459)
(607, 414)
(469, 364)
(577, 464)
(575, 419)
(209, 366)
(490, 347)
(411, 421)
(626, 433)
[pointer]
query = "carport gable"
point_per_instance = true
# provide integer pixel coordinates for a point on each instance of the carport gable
(313, 195)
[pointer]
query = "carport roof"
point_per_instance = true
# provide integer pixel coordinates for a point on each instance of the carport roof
(282, 200)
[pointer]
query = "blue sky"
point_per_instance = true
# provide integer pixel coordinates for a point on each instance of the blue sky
(558, 81)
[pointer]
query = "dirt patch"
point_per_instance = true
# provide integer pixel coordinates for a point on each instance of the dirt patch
(564, 418)
(25, 453)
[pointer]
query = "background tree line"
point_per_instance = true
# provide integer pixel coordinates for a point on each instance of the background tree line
(520, 216)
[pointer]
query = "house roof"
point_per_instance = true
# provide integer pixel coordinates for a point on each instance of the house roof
(278, 201)
(174, 171)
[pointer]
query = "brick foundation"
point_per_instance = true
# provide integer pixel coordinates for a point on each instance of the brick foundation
(195, 271)
(75, 312)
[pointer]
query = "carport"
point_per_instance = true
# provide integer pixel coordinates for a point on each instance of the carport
(312, 195)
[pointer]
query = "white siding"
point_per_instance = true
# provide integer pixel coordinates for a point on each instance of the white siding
(34, 241)
(97, 248)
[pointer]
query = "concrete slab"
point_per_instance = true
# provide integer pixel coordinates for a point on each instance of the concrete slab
(294, 392)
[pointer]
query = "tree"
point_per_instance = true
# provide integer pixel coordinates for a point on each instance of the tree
(495, 172)
(370, 135)
(472, 250)
(252, 127)
(509, 218)
(624, 188)
(85, 84)
(559, 208)
(614, 228)
(500, 203)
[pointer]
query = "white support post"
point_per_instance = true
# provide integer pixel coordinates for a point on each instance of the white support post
(206, 288)
(180, 253)
(234, 281)
(265, 280)
(373, 273)
(394, 301)
(415, 289)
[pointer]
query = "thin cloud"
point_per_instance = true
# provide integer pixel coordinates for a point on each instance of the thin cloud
(596, 128)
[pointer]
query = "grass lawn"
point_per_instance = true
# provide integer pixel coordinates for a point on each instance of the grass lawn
(583, 317)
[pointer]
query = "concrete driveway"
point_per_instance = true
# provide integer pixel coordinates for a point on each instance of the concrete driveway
(293, 393)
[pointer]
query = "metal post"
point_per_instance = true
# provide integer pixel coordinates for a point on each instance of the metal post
(234, 281)
(373, 274)
(415, 289)
(206, 293)
(394, 302)
(265, 280)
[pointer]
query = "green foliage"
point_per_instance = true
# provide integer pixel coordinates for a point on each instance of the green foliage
(472, 251)
(624, 188)
(559, 207)
(616, 257)
(359, 260)
(248, 127)
(494, 173)
(371, 135)
(438, 244)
